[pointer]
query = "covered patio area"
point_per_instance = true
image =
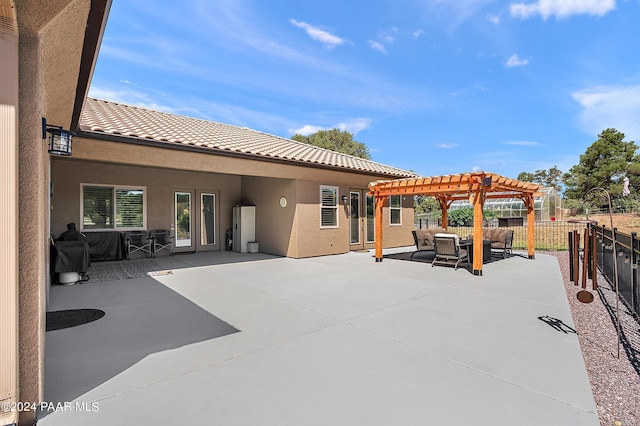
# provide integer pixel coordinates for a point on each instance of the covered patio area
(236, 338)
(475, 186)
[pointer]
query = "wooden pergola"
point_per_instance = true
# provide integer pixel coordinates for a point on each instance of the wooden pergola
(475, 187)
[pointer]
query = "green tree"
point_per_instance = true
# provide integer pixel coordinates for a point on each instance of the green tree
(335, 140)
(551, 177)
(603, 165)
(424, 204)
(526, 177)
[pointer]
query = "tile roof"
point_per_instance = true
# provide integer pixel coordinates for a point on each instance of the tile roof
(133, 123)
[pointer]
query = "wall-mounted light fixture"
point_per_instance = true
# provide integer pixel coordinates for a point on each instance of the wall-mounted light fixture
(486, 181)
(345, 199)
(59, 140)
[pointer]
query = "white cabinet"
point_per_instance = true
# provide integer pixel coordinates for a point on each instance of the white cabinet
(244, 227)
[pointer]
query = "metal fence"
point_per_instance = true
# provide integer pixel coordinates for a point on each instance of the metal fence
(627, 258)
(549, 235)
(554, 236)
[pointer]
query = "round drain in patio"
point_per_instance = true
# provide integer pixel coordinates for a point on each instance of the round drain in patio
(59, 320)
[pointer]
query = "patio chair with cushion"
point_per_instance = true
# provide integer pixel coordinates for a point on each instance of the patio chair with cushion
(502, 242)
(423, 239)
(448, 251)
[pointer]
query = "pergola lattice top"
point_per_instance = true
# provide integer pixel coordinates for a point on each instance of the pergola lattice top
(455, 187)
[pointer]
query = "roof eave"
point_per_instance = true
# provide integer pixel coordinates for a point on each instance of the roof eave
(226, 153)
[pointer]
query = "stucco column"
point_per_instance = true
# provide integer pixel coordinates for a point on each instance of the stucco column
(33, 228)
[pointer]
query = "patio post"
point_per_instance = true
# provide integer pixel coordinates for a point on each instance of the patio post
(478, 202)
(380, 200)
(531, 226)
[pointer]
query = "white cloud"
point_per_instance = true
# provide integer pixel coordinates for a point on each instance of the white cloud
(306, 130)
(417, 33)
(319, 34)
(561, 8)
(129, 97)
(354, 127)
(521, 143)
(494, 19)
(443, 145)
(375, 45)
(615, 106)
(515, 61)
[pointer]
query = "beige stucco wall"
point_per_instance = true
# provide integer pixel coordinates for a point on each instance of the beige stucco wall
(292, 231)
(274, 223)
(32, 228)
(68, 173)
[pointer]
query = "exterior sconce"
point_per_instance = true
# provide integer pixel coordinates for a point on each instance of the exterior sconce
(345, 199)
(59, 140)
(486, 181)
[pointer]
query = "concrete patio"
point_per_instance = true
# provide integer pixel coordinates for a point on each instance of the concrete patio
(250, 339)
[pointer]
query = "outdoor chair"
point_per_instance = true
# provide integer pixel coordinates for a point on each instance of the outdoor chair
(161, 240)
(504, 243)
(138, 241)
(448, 251)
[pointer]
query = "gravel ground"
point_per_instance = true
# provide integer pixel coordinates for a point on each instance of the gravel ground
(615, 382)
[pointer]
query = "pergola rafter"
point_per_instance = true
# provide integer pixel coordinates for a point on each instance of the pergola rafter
(475, 186)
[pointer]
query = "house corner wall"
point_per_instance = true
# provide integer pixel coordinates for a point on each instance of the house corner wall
(274, 223)
(32, 225)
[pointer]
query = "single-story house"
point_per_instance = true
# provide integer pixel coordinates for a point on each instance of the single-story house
(137, 169)
(173, 171)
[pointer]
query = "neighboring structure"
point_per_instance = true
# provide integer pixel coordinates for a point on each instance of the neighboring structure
(547, 206)
(161, 170)
(48, 52)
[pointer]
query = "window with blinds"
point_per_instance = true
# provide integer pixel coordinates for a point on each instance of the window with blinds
(328, 206)
(395, 210)
(117, 208)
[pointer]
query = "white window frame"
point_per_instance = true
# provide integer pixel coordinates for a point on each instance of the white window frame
(115, 189)
(391, 209)
(335, 207)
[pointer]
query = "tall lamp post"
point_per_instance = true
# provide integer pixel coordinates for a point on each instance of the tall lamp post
(615, 260)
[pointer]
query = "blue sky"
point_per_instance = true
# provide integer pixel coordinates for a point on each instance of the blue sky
(435, 86)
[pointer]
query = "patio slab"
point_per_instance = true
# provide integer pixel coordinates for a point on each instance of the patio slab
(234, 339)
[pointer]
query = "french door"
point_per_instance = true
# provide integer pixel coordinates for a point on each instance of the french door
(195, 221)
(182, 202)
(361, 219)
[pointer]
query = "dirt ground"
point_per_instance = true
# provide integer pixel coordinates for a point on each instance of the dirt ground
(626, 222)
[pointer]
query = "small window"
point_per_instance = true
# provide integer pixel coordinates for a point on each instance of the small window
(395, 209)
(113, 208)
(328, 206)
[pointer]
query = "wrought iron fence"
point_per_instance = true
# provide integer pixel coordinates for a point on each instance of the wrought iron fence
(549, 235)
(627, 258)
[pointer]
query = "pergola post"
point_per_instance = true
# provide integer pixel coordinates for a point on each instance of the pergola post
(380, 200)
(478, 203)
(444, 207)
(531, 226)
